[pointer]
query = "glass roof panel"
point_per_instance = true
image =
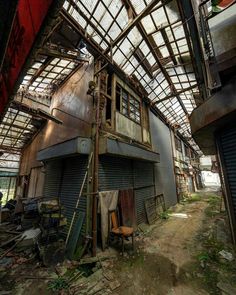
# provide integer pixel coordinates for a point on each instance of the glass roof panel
(155, 50)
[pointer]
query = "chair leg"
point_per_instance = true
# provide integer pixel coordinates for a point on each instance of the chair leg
(122, 245)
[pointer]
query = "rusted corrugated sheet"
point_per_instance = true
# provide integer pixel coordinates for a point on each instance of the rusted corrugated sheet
(127, 207)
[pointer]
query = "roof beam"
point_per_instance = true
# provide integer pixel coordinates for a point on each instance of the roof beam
(62, 53)
(152, 46)
(40, 70)
(10, 149)
(131, 25)
(194, 42)
(15, 126)
(84, 16)
(175, 94)
(34, 112)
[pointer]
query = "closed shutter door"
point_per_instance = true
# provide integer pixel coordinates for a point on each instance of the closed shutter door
(190, 184)
(143, 187)
(120, 173)
(52, 179)
(115, 173)
(74, 169)
(227, 142)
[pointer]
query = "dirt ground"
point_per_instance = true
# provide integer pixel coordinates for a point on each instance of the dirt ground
(178, 255)
(168, 258)
(163, 254)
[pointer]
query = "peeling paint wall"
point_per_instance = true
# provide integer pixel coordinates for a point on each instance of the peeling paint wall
(72, 105)
(164, 171)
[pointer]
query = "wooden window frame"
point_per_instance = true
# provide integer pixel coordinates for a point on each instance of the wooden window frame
(178, 144)
(130, 104)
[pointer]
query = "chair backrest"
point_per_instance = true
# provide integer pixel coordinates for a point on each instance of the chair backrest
(114, 220)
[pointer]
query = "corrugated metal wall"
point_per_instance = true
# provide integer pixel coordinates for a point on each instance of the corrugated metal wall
(164, 171)
(64, 179)
(119, 173)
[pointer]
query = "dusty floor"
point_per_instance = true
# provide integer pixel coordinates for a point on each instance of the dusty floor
(175, 256)
(170, 259)
(164, 253)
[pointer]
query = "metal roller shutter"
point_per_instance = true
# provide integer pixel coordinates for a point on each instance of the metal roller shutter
(228, 153)
(144, 187)
(52, 179)
(140, 195)
(63, 179)
(115, 173)
(143, 174)
(74, 169)
(120, 173)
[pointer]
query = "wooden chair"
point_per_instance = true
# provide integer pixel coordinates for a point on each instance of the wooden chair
(122, 232)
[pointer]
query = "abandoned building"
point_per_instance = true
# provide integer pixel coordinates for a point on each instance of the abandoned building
(115, 96)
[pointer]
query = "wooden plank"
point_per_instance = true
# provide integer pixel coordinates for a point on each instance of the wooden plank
(11, 240)
(75, 234)
(127, 206)
(150, 206)
(154, 207)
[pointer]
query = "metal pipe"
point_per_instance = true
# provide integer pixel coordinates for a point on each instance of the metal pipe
(9, 186)
(173, 160)
(73, 116)
(95, 172)
(77, 203)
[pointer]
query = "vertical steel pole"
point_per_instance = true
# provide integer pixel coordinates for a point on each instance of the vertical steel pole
(95, 170)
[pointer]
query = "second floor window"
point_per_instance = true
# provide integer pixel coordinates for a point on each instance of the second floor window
(127, 104)
(178, 144)
(187, 151)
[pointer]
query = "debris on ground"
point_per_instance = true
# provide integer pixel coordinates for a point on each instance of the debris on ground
(226, 255)
(187, 253)
(226, 288)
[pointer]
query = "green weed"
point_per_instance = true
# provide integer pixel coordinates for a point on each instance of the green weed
(203, 256)
(165, 214)
(58, 284)
(191, 198)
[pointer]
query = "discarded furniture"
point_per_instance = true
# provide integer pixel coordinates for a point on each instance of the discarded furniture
(52, 220)
(122, 232)
(127, 207)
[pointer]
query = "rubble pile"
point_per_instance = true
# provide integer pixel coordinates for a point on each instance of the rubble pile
(32, 228)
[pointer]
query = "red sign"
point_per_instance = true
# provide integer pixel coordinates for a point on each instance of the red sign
(27, 23)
